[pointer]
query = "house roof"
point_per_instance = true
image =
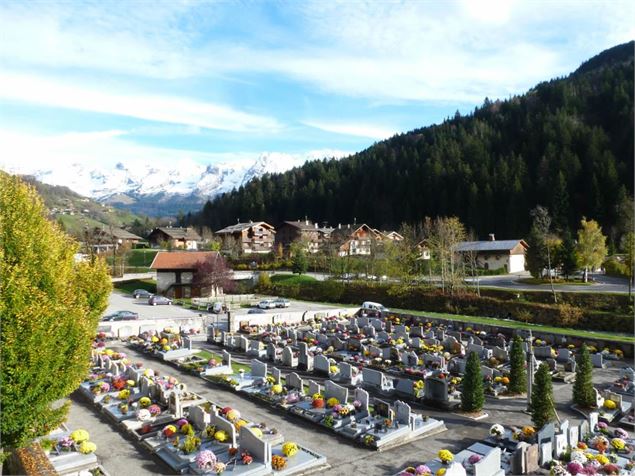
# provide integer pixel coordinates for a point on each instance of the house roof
(302, 225)
(180, 233)
(165, 260)
(348, 231)
(497, 245)
(238, 227)
(119, 233)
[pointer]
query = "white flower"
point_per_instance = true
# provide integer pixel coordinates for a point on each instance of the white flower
(143, 415)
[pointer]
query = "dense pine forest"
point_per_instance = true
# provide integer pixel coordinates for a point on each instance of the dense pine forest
(566, 144)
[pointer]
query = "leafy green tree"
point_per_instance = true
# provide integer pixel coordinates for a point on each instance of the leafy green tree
(518, 372)
(628, 247)
(299, 262)
(472, 392)
(542, 407)
(49, 311)
(567, 256)
(583, 394)
(591, 246)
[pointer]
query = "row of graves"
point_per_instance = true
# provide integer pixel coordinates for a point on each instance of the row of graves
(372, 422)
(418, 362)
(587, 447)
(167, 345)
(189, 433)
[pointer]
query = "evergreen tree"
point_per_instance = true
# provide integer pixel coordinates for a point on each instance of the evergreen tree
(542, 406)
(583, 394)
(518, 373)
(49, 311)
(536, 255)
(472, 392)
(567, 256)
(299, 262)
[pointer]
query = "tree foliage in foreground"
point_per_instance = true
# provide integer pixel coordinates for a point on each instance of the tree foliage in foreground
(542, 409)
(583, 393)
(518, 373)
(472, 392)
(49, 310)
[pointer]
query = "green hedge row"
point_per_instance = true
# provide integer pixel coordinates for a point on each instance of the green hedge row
(425, 299)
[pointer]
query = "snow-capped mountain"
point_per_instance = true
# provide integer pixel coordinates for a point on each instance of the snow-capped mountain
(158, 189)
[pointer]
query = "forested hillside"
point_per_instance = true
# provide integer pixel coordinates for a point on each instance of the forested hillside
(566, 144)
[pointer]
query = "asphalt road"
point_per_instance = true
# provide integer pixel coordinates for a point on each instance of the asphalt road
(122, 456)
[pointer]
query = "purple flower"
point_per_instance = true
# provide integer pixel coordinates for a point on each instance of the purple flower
(474, 459)
(65, 442)
(105, 387)
(154, 410)
(602, 425)
(620, 433)
(358, 404)
(422, 469)
(182, 422)
(575, 467)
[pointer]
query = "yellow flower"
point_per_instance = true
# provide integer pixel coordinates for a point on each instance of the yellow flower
(130, 383)
(331, 402)
(220, 436)
(155, 339)
(164, 341)
(233, 415)
(257, 432)
(290, 448)
(445, 456)
(78, 436)
(87, 447)
(440, 472)
(144, 402)
(123, 394)
(610, 405)
(109, 352)
(239, 424)
(529, 430)
(277, 389)
(602, 459)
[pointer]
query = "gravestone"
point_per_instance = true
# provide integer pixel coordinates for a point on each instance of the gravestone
(277, 375)
(405, 387)
(563, 355)
(331, 389)
(546, 453)
(259, 449)
(475, 340)
(362, 396)
(305, 359)
(570, 365)
(599, 399)
(489, 464)
(314, 388)
(272, 352)
(519, 459)
(560, 445)
(436, 390)
(288, 358)
(552, 364)
(574, 436)
(597, 360)
(227, 358)
(583, 429)
(254, 348)
(403, 412)
(258, 369)
(532, 462)
(174, 406)
(564, 428)
(321, 365)
(382, 408)
(347, 372)
(542, 352)
(501, 354)
(593, 421)
(295, 382)
(242, 343)
(546, 433)
(417, 331)
(199, 417)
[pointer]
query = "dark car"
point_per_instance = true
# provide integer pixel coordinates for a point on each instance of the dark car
(156, 300)
(256, 310)
(121, 316)
(141, 293)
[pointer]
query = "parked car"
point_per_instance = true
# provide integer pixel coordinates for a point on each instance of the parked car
(281, 302)
(256, 310)
(267, 304)
(216, 307)
(141, 293)
(156, 300)
(121, 316)
(373, 306)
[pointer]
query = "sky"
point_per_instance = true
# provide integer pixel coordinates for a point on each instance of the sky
(104, 82)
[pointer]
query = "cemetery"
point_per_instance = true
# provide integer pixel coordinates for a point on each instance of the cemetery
(189, 433)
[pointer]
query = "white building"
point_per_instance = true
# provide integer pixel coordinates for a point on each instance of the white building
(507, 255)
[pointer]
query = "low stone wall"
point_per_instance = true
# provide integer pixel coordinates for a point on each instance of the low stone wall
(288, 317)
(123, 329)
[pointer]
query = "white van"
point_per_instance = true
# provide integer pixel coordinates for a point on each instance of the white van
(373, 306)
(267, 304)
(216, 308)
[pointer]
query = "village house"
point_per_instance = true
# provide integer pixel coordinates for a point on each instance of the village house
(504, 255)
(360, 240)
(174, 237)
(103, 239)
(247, 238)
(302, 230)
(392, 235)
(176, 271)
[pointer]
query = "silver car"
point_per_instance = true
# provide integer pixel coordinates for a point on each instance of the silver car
(157, 300)
(281, 302)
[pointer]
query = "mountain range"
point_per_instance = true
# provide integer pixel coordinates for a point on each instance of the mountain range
(159, 190)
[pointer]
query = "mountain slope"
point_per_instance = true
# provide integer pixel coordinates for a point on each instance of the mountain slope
(566, 144)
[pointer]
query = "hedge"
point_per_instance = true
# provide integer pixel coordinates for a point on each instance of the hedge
(426, 299)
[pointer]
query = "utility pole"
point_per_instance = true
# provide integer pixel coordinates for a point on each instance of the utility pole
(530, 370)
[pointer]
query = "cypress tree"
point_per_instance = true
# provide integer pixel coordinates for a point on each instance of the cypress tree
(583, 394)
(472, 393)
(49, 311)
(518, 373)
(542, 409)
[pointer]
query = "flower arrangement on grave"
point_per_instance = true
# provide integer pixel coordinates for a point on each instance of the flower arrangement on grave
(118, 384)
(329, 421)
(528, 432)
(600, 443)
(610, 404)
(474, 459)
(130, 383)
(344, 410)
(582, 445)
(317, 403)
(387, 422)
(445, 456)
(87, 447)
(440, 472)
(278, 463)
(422, 470)
(497, 430)
(205, 460)
(238, 424)
(603, 427)
(148, 373)
(293, 398)
(333, 369)
(290, 449)
(246, 458)
(143, 415)
(620, 433)
(276, 389)
(219, 467)
(258, 432)
(123, 394)
(123, 408)
(611, 468)
(331, 402)
(601, 459)
(221, 436)
(618, 443)
(187, 429)
(369, 440)
(505, 380)
(418, 385)
(191, 444)
(574, 467)
(169, 431)
(578, 455)
(145, 402)
(66, 443)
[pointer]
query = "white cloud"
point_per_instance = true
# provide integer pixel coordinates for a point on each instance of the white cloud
(174, 110)
(353, 129)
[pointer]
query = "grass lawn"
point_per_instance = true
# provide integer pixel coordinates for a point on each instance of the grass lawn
(290, 279)
(129, 286)
(141, 258)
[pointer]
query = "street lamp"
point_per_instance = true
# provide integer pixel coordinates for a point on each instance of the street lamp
(530, 369)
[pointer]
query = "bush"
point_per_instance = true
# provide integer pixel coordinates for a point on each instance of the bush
(612, 267)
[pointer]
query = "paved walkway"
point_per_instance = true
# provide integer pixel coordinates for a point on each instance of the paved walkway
(123, 456)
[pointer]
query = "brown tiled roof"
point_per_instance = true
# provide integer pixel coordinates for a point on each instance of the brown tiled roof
(165, 260)
(181, 233)
(238, 227)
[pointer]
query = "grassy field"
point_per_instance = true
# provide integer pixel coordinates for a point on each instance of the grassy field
(129, 286)
(291, 279)
(141, 257)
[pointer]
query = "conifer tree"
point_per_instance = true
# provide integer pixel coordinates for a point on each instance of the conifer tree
(472, 392)
(542, 409)
(583, 394)
(49, 310)
(518, 373)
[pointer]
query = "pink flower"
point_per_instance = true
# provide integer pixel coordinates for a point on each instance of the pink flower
(474, 459)
(422, 469)
(575, 467)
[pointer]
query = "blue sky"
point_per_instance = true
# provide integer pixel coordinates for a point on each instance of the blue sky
(103, 82)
